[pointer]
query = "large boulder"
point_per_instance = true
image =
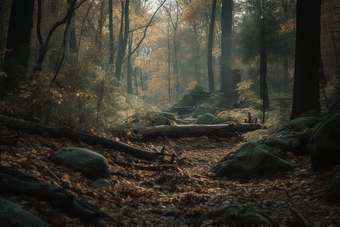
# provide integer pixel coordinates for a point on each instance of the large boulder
(296, 125)
(13, 215)
(282, 138)
(206, 118)
(334, 186)
(324, 146)
(82, 160)
(200, 110)
(252, 160)
(284, 143)
(161, 120)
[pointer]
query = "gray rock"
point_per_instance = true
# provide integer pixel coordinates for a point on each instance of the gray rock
(296, 125)
(240, 214)
(170, 116)
(200, 110)
(218, 120)
(102, 183)
(82, 160)
(198, 89)
(284, 143)
(182, 122)
(206, 118)
(324, 146)
(252, 160)
(13, 215)
(161, 120)
(334, 186)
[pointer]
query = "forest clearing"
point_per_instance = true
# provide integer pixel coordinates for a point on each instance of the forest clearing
(169, 113)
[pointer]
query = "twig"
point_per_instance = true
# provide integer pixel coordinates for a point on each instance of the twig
(148, 168)
(166, 138)
(49, 171)
(297, 213)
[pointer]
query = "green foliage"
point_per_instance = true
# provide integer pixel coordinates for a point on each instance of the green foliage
(246, 95)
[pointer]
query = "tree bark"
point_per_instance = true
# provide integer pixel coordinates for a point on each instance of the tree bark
(226, 53)
(307, 56)
(123, 43)
(210, 47)
(129, 68)
(71, 33)
(111, 30)
(78, 136)
(195, 130)
(18, 38)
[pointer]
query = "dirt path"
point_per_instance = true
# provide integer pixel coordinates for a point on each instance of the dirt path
(143, 198)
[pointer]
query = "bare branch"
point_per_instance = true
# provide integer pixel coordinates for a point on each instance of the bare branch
(146, 28)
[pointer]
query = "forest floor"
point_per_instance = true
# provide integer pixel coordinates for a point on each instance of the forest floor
(136, 199)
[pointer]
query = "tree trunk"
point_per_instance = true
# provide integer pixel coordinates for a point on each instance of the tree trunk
(19, 37)
(78, 136)
(285, 60)
(111, 30)
(307, 56)
(136, 81)
(196, 55)
(129, 68)
(210, 47)
(226, 23)
(71, 33)
(169, 63)
(196, 130)
(122, 46)
(141, 79)
(100, 24)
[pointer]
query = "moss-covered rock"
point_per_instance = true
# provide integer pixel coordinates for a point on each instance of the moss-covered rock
(82, 160)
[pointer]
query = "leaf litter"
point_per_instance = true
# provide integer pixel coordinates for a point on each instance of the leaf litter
(172, 195)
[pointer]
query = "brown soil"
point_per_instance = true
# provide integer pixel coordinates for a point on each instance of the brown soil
(136, 200)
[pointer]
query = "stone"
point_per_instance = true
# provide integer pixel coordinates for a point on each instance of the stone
(334, 186)
(182, 122)
(102, 183)
(170, 116)
(252, 160)
(198, 89)
(206, 118)
(284, 143)
(296, 125)
(161, 120)
(82, 160)
(218, 120)
(240, 214)
(324, 145)
(13, 215)
(200, 110)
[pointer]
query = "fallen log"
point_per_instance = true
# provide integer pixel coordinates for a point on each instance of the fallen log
(77, 136)
(196, 130)
(13, 181)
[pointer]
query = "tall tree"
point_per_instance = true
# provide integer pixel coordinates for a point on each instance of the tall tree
(210, 45)
(226, 23)
(129, 68)
(71, 32)
(111, 29)
(123, 40)
(19, 34)
(263, 57)
(307, 57)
